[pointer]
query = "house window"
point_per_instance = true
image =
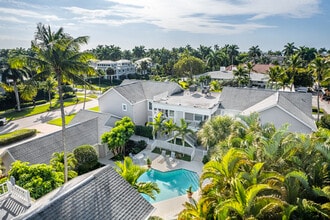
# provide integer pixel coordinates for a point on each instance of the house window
(198, 117)
(124, 107)
(149, 106)
(189, 116)
(171, 113)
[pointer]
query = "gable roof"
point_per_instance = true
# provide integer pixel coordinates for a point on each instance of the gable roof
(243, 98)
(100, 194)
(40, 150)
(278, 100)
(138, 90)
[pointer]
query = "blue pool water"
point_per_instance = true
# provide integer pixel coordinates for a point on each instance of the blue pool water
(171, 183)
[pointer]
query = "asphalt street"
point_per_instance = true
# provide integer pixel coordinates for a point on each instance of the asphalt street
(40, 121)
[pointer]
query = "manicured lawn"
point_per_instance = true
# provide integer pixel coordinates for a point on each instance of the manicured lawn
(68, 118)
(12, 115)
(95, 109)
(88, 95)
(17, 135)
(58, 121)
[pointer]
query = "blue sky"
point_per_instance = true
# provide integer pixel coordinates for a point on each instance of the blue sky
(270, 24)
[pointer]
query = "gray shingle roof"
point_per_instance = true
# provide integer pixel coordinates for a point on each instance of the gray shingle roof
(241, 98)
(136, 91)
(102, 118)
(101, 194)
(41, 149)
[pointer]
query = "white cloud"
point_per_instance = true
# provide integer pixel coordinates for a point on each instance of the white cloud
(197, 16)
(21, 13)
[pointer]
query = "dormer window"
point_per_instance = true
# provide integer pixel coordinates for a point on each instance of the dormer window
(124, 107)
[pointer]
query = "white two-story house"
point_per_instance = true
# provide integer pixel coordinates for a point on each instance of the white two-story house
(120, 68)
(142, 100)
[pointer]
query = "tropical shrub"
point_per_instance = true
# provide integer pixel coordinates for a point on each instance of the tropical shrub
(325, 121)
(38, 179)
(86, 157)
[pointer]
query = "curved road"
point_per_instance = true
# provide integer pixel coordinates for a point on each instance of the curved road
(39, 121)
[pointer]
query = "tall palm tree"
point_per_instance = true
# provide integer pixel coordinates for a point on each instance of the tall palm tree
(232, 51)
(321, 68)
(58, 55)
(249, 66)
(157, 124)
(183, 130)
(15, 71)
(169, 127)
(131, 173)
(49, 86)
(254, 53)
(289, 49)
(293, 63)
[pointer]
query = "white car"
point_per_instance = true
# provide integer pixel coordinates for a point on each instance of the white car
(2, 121)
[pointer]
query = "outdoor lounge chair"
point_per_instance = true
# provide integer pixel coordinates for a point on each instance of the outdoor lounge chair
(163, 156)
(172, 157)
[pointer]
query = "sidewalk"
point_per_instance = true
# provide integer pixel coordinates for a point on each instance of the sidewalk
(323, 104)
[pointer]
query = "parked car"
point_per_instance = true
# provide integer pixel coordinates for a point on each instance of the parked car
(2, 121)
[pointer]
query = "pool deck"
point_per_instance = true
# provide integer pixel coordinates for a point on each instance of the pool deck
(167, 209)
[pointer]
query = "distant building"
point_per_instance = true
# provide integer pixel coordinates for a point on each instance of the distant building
(121, 68)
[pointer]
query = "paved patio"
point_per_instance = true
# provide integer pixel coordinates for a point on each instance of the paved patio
(167, 209)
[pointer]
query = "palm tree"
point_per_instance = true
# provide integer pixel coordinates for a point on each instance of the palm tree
(194, 210)
(274, 75)
(183, 130)
(169, 127)
(49, 86)
(13, 70)
(254, 53)
(215, 130)
(246, 203)
(232, 52)
(58, 54)
(131, 173)
(57, 162)
(293, 63)
(157, 124)
(241, 76)
(289, 49)
(321, 70)
(249, 67)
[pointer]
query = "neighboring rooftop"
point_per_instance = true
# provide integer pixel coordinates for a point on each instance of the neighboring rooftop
(228, 75)
(138, 90)
(243, 98)
(100, 194)
(192, 99)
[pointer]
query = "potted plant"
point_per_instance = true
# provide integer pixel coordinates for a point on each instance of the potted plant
(149, 162)
(189, 192)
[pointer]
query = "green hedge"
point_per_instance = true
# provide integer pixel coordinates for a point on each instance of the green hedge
(17, 135)
(29, 104)
(144, 131)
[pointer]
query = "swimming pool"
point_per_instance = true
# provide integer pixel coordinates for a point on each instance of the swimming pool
(171, 183)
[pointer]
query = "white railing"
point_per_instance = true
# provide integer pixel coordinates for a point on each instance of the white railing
(173, 147)
(19, 193)
(16, 192)
(4, 188)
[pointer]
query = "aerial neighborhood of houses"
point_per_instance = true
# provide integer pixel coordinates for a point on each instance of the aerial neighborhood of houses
(90, 196)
